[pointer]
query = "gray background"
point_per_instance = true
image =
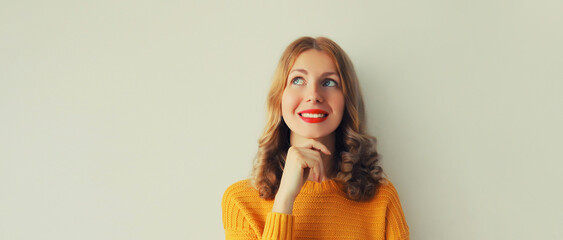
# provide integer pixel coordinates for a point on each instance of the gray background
(128, 119)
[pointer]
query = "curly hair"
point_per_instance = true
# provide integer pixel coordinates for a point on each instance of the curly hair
(355, 166)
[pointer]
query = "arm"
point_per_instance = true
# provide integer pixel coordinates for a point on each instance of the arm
(396, 225)
(240, 219)
(235, 222)
(300, 163)
(278, 226)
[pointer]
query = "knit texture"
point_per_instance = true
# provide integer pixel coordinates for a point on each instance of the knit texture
(320, 211)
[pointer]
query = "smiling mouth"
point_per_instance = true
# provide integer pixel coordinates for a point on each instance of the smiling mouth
(313, 115)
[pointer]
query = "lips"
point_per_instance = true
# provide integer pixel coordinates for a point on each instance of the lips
(313, 115)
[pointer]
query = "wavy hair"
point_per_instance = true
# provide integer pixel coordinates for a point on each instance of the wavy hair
(355, 166)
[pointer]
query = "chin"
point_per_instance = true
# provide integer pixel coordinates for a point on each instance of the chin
(314, 134)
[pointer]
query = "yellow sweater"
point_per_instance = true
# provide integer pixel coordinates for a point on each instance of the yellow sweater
(320, 211)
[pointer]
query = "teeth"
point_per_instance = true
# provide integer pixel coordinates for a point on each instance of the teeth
(313, 115)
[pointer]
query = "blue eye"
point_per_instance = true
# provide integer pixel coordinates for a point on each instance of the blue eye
(330, 83)
(298, 81)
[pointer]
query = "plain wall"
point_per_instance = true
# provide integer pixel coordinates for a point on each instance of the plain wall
(129, 119)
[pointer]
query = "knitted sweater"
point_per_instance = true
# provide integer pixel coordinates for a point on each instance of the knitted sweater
(320, 211)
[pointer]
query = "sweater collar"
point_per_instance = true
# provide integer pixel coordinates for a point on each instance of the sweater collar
(324, 186)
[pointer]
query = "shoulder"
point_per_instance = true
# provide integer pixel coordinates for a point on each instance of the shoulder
(240, 206)
(241, 202)
(396, 224)
(387, 192)
(239, 190)
(239, 185)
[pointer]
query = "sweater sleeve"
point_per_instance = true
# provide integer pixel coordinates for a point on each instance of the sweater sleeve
(396, 225)
(243, 220)
(236, 222)
(278, 226)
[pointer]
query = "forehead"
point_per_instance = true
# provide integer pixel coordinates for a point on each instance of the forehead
(314, 60)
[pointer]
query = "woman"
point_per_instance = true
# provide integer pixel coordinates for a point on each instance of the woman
(316, 174)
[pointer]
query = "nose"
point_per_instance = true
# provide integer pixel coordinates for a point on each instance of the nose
(314, 94)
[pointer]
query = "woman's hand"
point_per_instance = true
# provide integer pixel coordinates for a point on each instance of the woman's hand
(301, 161)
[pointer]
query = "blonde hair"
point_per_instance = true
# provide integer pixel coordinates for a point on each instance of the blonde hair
(355, 165)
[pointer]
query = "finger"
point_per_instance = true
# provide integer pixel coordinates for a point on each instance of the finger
(316, 165)
(306, 173)
(311, 160)
(313, 174)
(314, 144)
(317, 174)
(318, 145)
(322, 170)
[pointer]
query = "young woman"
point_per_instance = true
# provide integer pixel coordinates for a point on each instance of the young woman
(316, 174)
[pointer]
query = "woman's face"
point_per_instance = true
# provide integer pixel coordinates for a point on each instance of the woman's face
(313, 102)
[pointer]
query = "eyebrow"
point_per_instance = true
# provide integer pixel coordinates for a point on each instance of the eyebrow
(305, 72)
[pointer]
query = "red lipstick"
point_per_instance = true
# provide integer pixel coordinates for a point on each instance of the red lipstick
(313, 115)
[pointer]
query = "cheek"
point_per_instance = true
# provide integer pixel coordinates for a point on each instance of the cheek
(289, 102)
(339, 103)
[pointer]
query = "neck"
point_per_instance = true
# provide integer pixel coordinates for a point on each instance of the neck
(328, 141)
